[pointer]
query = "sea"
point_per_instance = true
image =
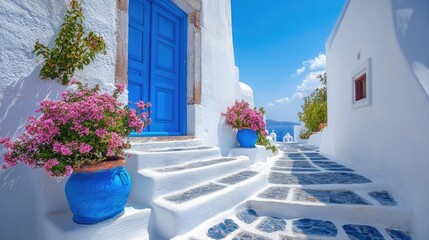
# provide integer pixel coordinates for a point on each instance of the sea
(281, 128)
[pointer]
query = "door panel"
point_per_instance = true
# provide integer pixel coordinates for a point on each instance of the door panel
(138, 50)
(157, 63)
(165, 69)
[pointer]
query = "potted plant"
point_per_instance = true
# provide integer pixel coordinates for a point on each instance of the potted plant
(82, 136)
(249, 123)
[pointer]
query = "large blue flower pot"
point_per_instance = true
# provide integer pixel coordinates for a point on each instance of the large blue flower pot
(98, 192)
(247, 138)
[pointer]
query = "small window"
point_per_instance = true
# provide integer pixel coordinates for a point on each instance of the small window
(360, 87)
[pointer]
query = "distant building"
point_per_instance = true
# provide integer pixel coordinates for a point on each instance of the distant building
(378, 96)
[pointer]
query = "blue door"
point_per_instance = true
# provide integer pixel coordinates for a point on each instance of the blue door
(157, 63)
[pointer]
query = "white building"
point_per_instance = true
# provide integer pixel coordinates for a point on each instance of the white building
(378, 96)
(191, 50)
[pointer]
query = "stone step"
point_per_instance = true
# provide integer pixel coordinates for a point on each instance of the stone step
(248, 223)
(133, 224)
(169, 156)
(325, 180)
(145, 144)
(178, 213)
(344, 205)
(149, 184)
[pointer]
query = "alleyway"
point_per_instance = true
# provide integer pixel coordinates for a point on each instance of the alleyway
(310, 196)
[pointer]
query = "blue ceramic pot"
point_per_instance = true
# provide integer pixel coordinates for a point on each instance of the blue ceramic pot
(98, 192)
(247, 138)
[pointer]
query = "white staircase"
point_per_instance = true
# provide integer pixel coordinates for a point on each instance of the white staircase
(311, 196)
(185, 183)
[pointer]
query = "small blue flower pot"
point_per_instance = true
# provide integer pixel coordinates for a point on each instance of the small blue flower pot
(247, 138)
(97, 194)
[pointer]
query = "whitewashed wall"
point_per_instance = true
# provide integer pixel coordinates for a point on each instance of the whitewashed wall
(220, 86)
(378, 138)
(25, 194)
(247, 94)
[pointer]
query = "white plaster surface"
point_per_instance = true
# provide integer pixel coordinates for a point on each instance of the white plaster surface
(378, 138)
(247, 94)
(257, 154)
(179, 219)
(315, 139)
(133, 224)
(27, 195)
(296, 132)
(220, 86)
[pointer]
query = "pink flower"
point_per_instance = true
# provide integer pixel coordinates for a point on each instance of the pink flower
(120, 87)
(63, 136)
(4, 140)
(241, 116)
(85, 148)
(73, 81)
(65, 150)
(101, 132)
(49, 165)
(141, 105)
(69, 170)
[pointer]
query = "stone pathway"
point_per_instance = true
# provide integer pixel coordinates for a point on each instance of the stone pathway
(310, 196)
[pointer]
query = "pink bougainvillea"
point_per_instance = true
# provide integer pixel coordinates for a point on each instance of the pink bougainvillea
(85, 126)
(242, 116)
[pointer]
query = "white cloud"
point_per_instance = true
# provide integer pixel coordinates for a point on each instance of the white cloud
(299, 71)
(283, 100)
(318, 62)
(310, 82)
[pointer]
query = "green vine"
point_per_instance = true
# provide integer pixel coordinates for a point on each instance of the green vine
(72, 49)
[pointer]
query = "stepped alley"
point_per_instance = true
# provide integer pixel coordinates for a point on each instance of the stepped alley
(195, 193)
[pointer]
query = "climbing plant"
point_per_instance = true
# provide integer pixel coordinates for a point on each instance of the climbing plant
(315, 109)
(73, 50)
(262, 137)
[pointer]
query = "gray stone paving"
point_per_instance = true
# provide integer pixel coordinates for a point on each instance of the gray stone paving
(293, 164)
(384, 198)
(397, 234)
(247, 216)
(279, 193)
(222, 229)
(195, 193)
(244, 235)
(315, 227)
(272, 224)
(238, 177)
(360, 232)
(284, 172)
(316, 178)
(329, 196)
(195, 165)
(295, 169)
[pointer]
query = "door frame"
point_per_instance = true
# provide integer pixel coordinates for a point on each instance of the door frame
(193, 70)
(182, 91)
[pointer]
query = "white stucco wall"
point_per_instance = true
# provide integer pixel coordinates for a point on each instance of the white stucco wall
(220, 87)
(25, 194)
(247, 94)
(378, 138)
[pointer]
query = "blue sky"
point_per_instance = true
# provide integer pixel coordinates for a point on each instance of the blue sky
(279, 48)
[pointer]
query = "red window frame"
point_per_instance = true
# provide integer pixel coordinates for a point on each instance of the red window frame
(360, 87)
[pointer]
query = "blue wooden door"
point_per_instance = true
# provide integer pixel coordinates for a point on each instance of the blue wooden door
(157, 63)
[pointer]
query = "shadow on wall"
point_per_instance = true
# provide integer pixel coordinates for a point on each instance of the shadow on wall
(18, 185)
(226, 137)
(411, 26)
